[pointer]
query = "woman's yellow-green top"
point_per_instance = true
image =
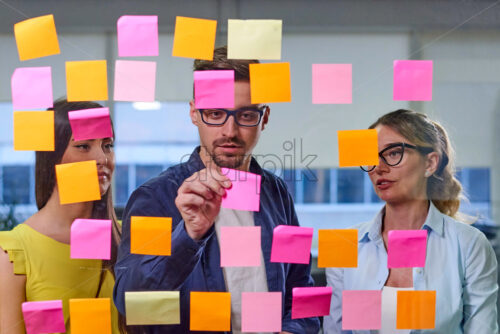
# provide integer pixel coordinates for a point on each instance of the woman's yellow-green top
(50, 272)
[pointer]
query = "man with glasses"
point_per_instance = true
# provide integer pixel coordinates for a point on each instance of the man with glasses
(191, 194)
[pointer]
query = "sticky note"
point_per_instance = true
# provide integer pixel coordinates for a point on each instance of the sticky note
(43, 317)
(152, 308)
(32, 88)
(135, 81)
(338, 248)
(413, 80)
(240, 246)
(210, 311)
(91, 239)
(311, 302)
(358, 147)
(194, 38)
(254, 39)
(270, 82)
(361, 309)
(150, 235)
(416, 310)
(261, 312)
(87, 80)
(90, 123)
(406, 248)
(78, 182)
(137, 35)
(34, 130)
(214, 89)
(331, 83)
(291, 244)
(90, 315)
(244, 193)
(36, 37)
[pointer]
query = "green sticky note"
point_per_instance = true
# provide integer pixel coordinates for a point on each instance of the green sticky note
(152, 308)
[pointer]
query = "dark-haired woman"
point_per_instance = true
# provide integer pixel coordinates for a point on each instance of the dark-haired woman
(35, 263)
(415, 179)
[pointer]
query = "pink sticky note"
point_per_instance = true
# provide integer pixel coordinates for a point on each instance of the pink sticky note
(32, 88)
(413, 80)
(240, 246)
(261, 312)
(90, 123)
(135, 81)
(331, 83)
(43, 317)
(214, 89)
(406, 248)
(244, 193)
(311, 302)
(91, 239)
(361, 309)
(137, 35)
(291, 244)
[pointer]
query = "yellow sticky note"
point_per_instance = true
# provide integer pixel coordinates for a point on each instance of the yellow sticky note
(150, 235)
(36, 37)
(254, 39)
(338, 248)
(357, 147)
(34, 130)
(270, 82)
(194, 38)
(152, 308)
(416, 310)
(87, 80)
(78, 182)
(90, 315)
(210, 311)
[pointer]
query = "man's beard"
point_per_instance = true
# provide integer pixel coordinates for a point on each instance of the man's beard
(220, 160)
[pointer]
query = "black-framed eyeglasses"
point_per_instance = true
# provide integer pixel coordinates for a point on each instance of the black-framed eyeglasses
(245, 116)
(393, 154)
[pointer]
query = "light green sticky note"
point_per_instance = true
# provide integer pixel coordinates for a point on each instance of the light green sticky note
(254, 39)
(152, 308)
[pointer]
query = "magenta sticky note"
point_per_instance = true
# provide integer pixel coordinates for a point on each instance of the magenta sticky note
(43, 317)
(214, 89)
(32, 88)
(406, 248)
(240, 246)
(137, 35)
(331, 83)
(135, 81)
(311, 302)
(361, 309)
(261, 312)
(291, 244)
(413, 80)
(90, 123)
(91, 239)
(244, 193)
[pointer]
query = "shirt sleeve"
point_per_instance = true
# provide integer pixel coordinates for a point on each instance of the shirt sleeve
(11, 244)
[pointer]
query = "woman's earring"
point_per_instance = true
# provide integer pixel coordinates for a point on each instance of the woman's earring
(427, 173)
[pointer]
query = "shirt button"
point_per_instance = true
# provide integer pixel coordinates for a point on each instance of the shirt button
(419, 271)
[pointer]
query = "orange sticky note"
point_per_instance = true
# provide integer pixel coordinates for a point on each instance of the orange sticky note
(150, 235)
(338, 248)
(357, 147)
(210, 311)
(87, 80)
(416, 310)
(194, 38)
(270, 82)
(36, 37)
(90, 315)
(78, 182)
(34, 130)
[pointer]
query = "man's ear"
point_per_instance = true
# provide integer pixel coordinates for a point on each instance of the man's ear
(265, 117)
(432, 163)
(193, 113)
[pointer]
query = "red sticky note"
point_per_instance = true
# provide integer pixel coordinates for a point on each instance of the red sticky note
(91, 239)
(291, 244)
(32, 88)
(137, 35)
(90, 123)
(240, 246)
(214, 89)
(311, 302)
(261, 312)
(361, 309)
(331, 83)
(406, 248)
(135, 81)
(43, 317)
(244, 193)
(413, 80)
